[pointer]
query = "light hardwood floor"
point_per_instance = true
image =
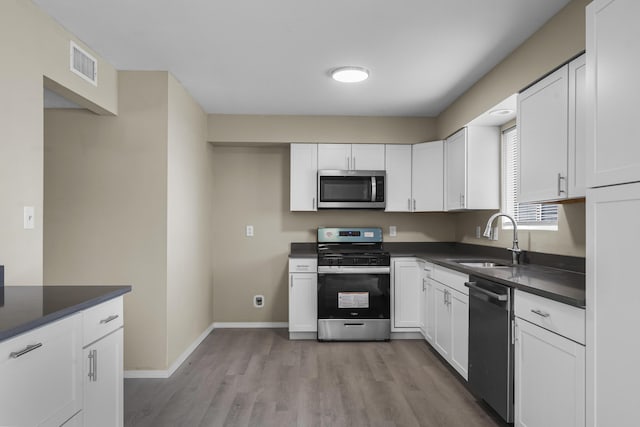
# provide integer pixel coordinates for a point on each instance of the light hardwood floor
(257, 377)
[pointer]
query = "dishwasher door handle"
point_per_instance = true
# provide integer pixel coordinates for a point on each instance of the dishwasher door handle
(474, 286)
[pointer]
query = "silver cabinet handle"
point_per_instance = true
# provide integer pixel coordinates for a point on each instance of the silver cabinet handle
(424, 285)
(462, 200)
(109, 319)
(409, 204)
(560, 178)
(539, 312)
(93, 365)
(348, 162)
(414, 205)
(353, 160)
(313, 203)
(27, 349)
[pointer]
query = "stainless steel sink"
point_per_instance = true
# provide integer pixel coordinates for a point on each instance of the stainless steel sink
(483, 264)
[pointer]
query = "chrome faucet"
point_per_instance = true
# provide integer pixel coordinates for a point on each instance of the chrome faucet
(515, 250)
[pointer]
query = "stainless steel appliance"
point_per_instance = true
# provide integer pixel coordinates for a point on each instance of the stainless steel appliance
(348, 189)
(354, 297)
(491, 344)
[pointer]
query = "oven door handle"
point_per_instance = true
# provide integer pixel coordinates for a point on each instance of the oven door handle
(493, 295)
(325, 269)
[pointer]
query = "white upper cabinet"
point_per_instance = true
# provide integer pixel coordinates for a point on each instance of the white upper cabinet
(368, 157)
(577, 127)
(472, 169)
(613, 88)
(304, 175)
(334, 156)
(551, 135)
(543, 138)
(398, 181)
(427, 172)
(351, 156)
(415, 177)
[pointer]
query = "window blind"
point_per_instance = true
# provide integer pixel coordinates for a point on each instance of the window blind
(523, 213)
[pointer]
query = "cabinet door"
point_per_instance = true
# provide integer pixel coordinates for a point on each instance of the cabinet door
(303, 302)
(549, 379)
(334, 156)
(407, 292)
(459, 307)
(442, 338)
(427, 169)
(303, 178)
(577, 127)
(612, 304)
(613, 43)
(430, 312)
(367, 157)
(543, 138)
(456, 170)
(103, 382)
(42, 386)
(398, 182)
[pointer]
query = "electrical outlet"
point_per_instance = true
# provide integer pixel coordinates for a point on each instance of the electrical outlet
(393, 231)
(249, 231)
(258, 301)
(494, 235)
(478, 233)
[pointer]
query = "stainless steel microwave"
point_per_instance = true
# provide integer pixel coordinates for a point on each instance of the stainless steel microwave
(348, 189)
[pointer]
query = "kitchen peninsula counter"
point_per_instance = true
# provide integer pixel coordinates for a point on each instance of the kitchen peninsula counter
(23, 308)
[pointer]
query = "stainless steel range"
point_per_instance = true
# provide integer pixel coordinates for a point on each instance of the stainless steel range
(354, 301)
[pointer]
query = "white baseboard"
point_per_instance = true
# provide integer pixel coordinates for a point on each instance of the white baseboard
(175, 365)
(249, 325)
(166, 373)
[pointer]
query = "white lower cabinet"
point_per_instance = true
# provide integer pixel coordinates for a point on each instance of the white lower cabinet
(303, 297)
(103, 368)
(407, 295)
(451, 319)
(549, 366)
(103, 384)
(41, 375)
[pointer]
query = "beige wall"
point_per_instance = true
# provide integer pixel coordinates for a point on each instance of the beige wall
(569, 239)
(278, 129)
(560, 39)
(251, 186)
(32, 45)
(105, 216)
(189, 202)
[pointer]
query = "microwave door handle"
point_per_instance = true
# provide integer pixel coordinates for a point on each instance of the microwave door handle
(373, 189)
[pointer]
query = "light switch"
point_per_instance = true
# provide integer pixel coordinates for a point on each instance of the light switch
(393, 231)
(29, 218)
(249, 231)
(478, 235)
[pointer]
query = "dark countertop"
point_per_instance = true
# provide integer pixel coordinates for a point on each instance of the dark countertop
(557, 277)
(23, 308)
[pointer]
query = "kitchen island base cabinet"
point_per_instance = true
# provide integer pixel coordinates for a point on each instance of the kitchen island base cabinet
(549, 378)
(103, 385)
(41, 375)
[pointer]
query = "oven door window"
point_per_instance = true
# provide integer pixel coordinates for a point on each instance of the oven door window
(353, 296)
(345, 189)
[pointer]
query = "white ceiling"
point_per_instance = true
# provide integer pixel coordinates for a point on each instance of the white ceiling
(274, 57)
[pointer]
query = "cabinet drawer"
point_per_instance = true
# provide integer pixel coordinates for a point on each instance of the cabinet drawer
(555, 316)
(453, 279)
(303, 265)
(102, 319)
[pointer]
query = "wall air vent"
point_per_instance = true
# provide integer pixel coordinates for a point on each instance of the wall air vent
(83, 64)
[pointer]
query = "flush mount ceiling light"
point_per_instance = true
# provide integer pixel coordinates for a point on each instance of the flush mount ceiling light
(350, 74)
(501, 112)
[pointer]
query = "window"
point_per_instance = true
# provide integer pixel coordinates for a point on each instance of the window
(532, 216)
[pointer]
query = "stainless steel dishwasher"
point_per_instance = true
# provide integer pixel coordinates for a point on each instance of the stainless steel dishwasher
(491, 344)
